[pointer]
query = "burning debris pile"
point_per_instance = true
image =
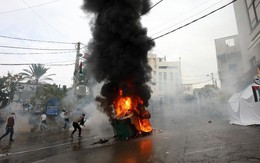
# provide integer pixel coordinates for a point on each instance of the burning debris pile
(119, 59)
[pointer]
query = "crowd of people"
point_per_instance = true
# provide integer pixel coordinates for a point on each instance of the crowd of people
(76, 123)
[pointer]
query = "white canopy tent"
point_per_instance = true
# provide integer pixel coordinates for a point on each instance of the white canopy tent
(245, 107)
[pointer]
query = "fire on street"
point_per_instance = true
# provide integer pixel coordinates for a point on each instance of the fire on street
(181, 134)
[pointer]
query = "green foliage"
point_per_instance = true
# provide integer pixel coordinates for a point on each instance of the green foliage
(36, 74)
(48, 91)
(7, 88)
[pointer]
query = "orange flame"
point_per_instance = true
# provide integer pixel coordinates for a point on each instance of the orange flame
(122, 105)
(127, 106)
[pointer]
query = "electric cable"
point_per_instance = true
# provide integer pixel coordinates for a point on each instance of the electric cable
(21, 9)
(186, 18)
(43, 20)
(34, 40)
(19, 47)
(151, 7)
(23, 64)
(199, 82)
(14, 53)
(194, 20)
(192, 76)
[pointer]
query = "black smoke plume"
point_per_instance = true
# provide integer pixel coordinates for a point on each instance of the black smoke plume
(118, 50)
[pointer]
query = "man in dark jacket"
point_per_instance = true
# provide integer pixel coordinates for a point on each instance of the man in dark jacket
(9, 127)
(76, 125)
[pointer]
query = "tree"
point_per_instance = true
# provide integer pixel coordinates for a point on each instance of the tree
(48, 91)
(36, 74)
(7, 88)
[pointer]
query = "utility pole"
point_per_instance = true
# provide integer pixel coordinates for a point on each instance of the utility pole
(212, 78)
(76, 71)
(181, 85)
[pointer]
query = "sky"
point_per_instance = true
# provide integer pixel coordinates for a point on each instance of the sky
(63, 23)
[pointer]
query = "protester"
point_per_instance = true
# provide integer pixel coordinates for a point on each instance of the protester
(43, 123)
(65, 116)
(76, 125)
(9, 127)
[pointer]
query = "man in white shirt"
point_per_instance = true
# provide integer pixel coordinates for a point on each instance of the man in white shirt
(65, 116)
(43, 121)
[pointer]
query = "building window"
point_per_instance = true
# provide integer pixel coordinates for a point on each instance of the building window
(163, 67)
(164, 75)
(253, 8)
(171, 75)
(160, 75)
(230, 42)
(167, 67)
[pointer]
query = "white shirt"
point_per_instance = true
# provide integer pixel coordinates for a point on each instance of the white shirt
(64, 115)
(43, 117)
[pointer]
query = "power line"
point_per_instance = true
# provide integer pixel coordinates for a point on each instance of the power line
(44, 20)
(24, 64)
(151, 7)
(64, 64)
(14, 53)
(198, 75)
(19, 47)
(35, 40)
(181, 14)
(188, 17)
(194, 20)
(5, 12)
(199, 82)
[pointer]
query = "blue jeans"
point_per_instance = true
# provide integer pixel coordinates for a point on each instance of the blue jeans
(7, 131)
(66, 123)
(43, 125)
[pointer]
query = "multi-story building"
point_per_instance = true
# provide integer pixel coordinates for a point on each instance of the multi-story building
(152, 60)
(166, 76)
(229, 62)
(247, 13)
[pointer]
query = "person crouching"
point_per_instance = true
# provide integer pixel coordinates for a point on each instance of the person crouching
(76, 125)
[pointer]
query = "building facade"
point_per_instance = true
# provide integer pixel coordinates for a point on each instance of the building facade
(247, 13)
(229, 62)
(166, 76)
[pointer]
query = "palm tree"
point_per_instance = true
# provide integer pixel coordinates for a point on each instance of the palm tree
(36, 74)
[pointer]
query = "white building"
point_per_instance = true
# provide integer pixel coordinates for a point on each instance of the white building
(247, 13)
(166, 76)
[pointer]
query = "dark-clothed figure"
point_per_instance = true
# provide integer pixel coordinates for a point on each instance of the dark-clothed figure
(9, 127)
(76, 125)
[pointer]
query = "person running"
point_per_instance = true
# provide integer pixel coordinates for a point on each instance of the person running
(43, 123)
(76, 125)
(65, 116)
(9, 127)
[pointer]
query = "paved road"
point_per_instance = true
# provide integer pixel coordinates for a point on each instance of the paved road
(181, 134)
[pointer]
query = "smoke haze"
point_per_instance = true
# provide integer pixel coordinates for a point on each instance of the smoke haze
(119, 47)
